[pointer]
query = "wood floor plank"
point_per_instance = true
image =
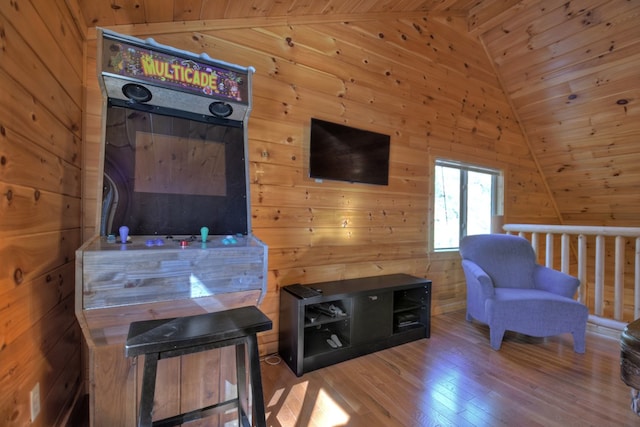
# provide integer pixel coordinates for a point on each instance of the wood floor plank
(456, 379)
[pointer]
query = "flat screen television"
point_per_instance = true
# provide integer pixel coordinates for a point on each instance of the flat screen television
(343, 153)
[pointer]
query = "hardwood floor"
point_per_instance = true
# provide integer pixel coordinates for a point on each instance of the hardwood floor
(455, 379)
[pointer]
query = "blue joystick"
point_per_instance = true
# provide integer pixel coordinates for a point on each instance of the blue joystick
(124, 233)
(229, 240)
(204, 232)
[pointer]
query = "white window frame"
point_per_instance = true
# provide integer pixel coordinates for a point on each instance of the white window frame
(497, 196)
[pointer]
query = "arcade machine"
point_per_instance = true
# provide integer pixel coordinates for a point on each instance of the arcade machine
(174, 224)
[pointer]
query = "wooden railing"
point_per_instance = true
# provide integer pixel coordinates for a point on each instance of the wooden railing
(593, 268)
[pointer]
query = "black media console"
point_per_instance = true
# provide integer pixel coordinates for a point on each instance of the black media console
(329, 322)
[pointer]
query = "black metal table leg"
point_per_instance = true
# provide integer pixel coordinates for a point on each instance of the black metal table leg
(148, 389)
(259, 417)
(241, 380)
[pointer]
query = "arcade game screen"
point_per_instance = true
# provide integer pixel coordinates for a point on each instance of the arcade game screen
(168, 175)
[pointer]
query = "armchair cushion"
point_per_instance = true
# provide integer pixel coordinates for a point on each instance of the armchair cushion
(498, 293)
(510, 263)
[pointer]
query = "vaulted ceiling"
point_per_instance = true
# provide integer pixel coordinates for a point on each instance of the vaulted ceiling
(569, 68)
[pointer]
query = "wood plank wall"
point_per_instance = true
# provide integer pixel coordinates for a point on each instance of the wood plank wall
(41, 102)
(421, 80)
(571, 71)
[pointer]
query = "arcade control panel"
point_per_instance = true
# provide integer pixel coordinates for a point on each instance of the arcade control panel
(123, 269)
(200, 241)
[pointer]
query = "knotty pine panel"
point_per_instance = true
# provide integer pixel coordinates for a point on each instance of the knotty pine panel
(129, 10)
(333, 194)
(321, 273)
(506, 33)
(60, 401)
(601, 68)
(216, 9)
(48, 171)
(29, 211)
(353, 238)
(197, 393)
(41, 71)
(331, 253)
(584, 145)
(595, 111)
(484, 14)
(34, 76)
(442, 40)
(187, 10)
(594, 41)
(384, 105)
(388, 64)
(99, 13)
(579, 130)
(20, 311)
(294, 217)
(168, 375)
(162, 10)
(545, 27)
(109, 363)
(105, 13)
(28, 256)
(92, 154)
(64, 30)
(41, 354)
(30, 117)
(60, 63)
(586, 76)
(262, 174)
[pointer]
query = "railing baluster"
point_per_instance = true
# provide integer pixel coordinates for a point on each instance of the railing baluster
(582, 267)
(549, 251)
(618, 287)
(599, 289)
(565, 253)
(636, 282)
(534, 242)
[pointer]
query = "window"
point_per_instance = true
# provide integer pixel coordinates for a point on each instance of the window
(466, 198)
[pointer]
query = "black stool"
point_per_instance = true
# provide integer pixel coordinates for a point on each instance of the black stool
(165, 338)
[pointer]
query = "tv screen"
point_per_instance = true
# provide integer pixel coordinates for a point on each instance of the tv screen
(171, 176)
(343, 153)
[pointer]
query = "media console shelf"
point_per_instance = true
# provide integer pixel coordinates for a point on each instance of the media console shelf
(329, 322)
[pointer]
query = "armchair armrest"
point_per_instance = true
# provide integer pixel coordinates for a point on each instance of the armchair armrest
(555, 281)
(478, 281)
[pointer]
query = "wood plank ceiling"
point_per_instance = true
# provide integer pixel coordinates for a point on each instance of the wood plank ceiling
(569, 68)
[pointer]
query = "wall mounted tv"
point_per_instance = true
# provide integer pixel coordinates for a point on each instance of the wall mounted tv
(343, 153)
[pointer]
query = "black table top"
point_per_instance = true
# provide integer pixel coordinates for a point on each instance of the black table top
(154, 336)
(351, 287)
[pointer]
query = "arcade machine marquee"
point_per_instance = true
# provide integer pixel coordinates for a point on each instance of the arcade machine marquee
(174, 220)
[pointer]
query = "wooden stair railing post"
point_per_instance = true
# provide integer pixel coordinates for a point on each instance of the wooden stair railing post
(582, 267)
(636, 282)
(599, 279)
(534, 243)
(619, 279)
(565, 253)
(549, 250)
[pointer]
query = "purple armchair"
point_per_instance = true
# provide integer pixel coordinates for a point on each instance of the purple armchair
(508, 290)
